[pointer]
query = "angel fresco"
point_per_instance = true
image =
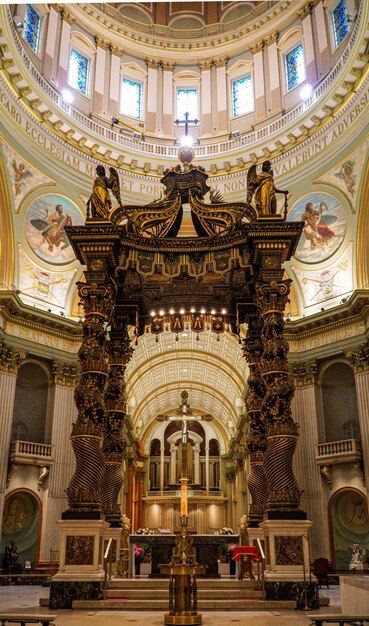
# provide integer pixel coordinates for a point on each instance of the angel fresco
(99, 203)
(20, 175)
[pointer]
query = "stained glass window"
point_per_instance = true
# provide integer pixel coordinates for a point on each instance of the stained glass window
(131, 98)
(78, 71)
(295, 67)
(186, 103)
(242, 96)
(340, 24)
(32, 26)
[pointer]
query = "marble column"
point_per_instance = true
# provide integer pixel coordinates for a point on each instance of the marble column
(221, 87)
(206, 99)
(64, 412)
(64, 48)
(309, 49)
(173, 463)
(359, 361)
(324, 57)
(259, 85)
(274, 95)
(10, 362)
(99, 78)
(120, 352)
(115, 81)
(207, 477)
(257, 482)
(49, 62)
(197, 464)
(167, 98)
(152, 95)
(162, 457)
(305, 412)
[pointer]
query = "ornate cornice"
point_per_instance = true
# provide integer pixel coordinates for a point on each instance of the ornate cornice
(10, 358)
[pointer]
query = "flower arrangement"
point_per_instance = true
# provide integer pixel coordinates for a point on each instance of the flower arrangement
(226, 553)
(145, 531)
(139, 554)
(225, 531)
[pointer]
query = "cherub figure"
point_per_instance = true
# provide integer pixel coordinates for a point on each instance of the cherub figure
(346, 173)
(262, 188)
(99, 203)
(20, 173)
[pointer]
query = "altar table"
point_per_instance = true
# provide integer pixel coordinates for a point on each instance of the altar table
(207, 547)
(246, 555)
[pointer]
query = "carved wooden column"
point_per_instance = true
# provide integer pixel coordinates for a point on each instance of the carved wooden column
(96, 247)
(256, 482)
(282, 431)
(114, 447)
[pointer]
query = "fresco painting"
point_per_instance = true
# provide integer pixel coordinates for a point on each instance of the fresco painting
(36, 282)
(46, 220)
(24, 177)
(322, 285)
(324, 227)
(346, 175)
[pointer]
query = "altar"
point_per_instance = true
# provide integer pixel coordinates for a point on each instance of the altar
(208, 549)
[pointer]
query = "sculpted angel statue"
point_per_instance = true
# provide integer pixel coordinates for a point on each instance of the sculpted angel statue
(262, 187)
(99, 203)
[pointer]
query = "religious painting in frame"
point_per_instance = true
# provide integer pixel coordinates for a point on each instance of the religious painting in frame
(324, 226)
(45, 224)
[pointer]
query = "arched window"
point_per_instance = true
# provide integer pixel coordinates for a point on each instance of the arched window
(20, 432)
(339, 401)
(30, 404)
(32, 28)
(79, 66)
(351, 430)
(340, 22)
(292, 59)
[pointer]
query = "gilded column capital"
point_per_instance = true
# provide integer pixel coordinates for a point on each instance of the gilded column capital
(101, 43)
(66, 17)
(168, 66)
(116, 51)
(10, 358)
(306, 10)
(305, 374)
(258, 47)
(205, 65)
(220, 62)
(152, 63)
(359, 358)
(273, 38)
(64, 373)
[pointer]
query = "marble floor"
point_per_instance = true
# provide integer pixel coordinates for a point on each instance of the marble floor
(26, 599)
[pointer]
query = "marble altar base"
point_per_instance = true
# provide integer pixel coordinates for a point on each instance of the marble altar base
(354, 594)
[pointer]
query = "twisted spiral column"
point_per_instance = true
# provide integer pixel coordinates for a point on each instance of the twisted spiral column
(83, 490)
(282, 432)
(257, 482)
(114, 447)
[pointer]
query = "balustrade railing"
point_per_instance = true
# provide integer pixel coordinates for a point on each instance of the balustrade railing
(177, 493)
(30, 448)
(335, 448)
(171, 151)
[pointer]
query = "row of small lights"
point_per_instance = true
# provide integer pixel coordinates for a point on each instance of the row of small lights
(203, 311)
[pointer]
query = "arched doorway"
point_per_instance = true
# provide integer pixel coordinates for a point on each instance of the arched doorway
(21, 524)
(349, 524)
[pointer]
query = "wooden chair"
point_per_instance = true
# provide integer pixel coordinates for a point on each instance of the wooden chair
(320, 570)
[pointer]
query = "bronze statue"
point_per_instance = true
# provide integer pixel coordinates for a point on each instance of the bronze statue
(99, 203)
(262, 187)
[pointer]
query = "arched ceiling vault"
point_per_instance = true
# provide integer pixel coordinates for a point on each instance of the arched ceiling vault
(213, 372)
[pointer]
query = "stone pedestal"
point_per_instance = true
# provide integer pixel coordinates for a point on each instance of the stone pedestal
(253, 534)
(81, 574)
(287, 549)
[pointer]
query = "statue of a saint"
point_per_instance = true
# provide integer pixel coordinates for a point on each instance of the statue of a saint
(11, 555)
(262, 187)
(99, 203)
